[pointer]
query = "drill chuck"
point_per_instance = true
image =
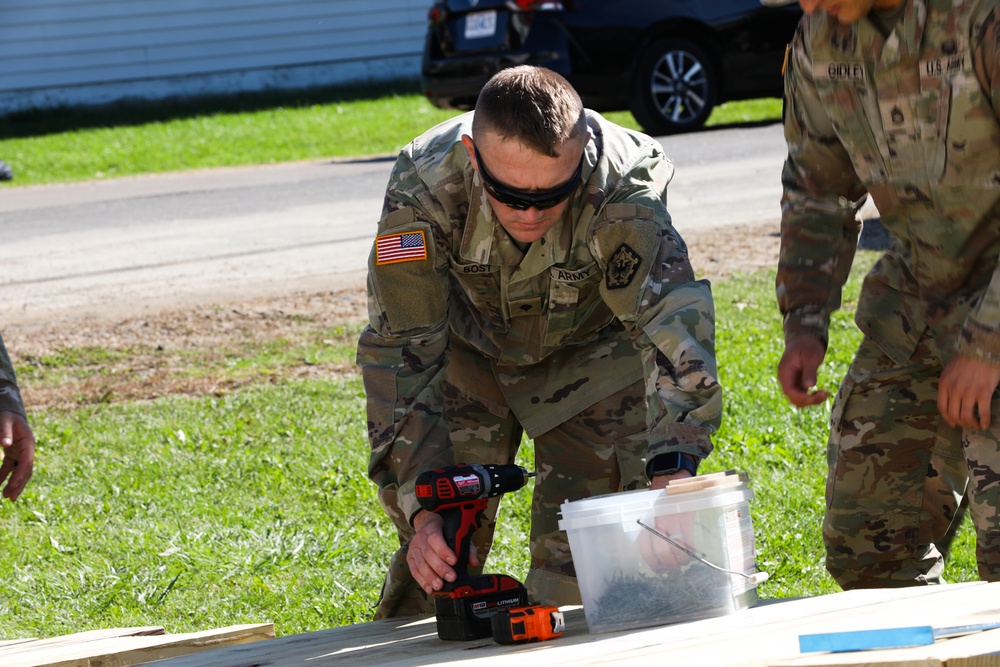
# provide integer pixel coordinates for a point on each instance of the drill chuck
(451, 486)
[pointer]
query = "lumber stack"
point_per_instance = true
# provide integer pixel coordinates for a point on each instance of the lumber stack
(766, 635)
(124, 647)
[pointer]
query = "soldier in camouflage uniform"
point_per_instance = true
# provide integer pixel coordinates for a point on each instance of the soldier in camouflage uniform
(526, 279)
(898, 99)
(16, 439)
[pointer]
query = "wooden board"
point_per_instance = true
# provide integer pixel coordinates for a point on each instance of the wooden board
(124, 647)
(764, 636)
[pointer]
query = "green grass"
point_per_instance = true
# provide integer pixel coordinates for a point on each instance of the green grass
(132, 139)
(255, 506)
(196, 514)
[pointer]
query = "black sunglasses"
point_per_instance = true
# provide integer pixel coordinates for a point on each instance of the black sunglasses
(522, 200)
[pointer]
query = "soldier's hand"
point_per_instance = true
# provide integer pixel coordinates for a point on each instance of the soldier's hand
(966, 392)
(797, 371)
(661, 481)
(430, 558)
(660, 554)
(18, 445)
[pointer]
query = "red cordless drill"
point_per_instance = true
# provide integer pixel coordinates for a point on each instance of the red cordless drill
(460, 494)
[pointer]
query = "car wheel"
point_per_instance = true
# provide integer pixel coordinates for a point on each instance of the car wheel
(675, 87)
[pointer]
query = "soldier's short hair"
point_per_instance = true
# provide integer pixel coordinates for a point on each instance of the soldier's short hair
(533, 105)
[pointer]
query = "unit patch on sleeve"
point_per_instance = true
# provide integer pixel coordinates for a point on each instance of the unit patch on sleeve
(402, 247)
(621, 267)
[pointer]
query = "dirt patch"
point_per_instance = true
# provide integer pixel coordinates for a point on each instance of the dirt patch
(156, 364)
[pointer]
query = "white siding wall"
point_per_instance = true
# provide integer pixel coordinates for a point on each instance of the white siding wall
(55, 52)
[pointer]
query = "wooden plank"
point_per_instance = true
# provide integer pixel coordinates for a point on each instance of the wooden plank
(103, 648)
(75, 639)
(766, 635)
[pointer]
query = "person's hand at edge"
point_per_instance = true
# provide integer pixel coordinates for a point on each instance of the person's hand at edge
(797, 371)
(661, 481)
(17, 443)
(966, 392)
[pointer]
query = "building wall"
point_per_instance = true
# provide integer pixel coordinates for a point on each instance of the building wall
(68, 52)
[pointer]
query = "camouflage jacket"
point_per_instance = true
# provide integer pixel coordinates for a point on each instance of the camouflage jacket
(606, 298)
(911, 119)
(10, 396)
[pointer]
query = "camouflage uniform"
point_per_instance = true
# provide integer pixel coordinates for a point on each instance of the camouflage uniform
(596, 341)
(911, 119)
(10, 396)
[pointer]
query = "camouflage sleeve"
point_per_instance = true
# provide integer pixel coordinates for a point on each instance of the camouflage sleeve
(402, 350)
(10, 395)
(649, 285)
(819, 206)
(980, 337)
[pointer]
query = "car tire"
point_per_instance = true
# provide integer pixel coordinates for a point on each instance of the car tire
(676, 87)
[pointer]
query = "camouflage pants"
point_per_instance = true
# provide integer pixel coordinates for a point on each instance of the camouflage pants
(897, 473)
(601, 450)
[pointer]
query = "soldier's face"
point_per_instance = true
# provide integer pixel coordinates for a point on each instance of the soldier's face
(847, 11)
(510, 168)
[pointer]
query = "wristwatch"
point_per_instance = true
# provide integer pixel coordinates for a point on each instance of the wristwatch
(667, 464)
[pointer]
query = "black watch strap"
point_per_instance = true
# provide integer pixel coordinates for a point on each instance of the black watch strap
(666, 464)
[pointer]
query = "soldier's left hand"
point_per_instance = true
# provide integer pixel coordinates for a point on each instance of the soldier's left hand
(966, 392)
(659, 554)
(661, 481)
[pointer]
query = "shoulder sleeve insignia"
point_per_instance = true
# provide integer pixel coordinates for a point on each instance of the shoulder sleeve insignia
(621, 267)
(404, 247)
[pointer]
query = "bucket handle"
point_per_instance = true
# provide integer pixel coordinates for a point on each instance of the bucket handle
(755, 578)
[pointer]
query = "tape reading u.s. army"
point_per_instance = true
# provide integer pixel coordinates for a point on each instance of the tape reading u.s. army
(943, 66)
(402, 247)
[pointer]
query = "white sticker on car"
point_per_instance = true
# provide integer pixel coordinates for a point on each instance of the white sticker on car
(480, 24)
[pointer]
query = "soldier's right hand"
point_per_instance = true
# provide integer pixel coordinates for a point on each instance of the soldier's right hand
(797, 371)
(430, 558)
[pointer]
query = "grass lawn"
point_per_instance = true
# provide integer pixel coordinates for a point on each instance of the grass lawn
(253, 505)
(249, 501)
(127, 140)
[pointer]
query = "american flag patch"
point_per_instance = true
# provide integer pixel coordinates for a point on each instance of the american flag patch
(405, 247)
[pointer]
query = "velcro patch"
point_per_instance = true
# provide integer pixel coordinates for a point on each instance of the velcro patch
(622, 267)
(402, 247)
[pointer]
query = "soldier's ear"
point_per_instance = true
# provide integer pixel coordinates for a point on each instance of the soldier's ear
(470, 149)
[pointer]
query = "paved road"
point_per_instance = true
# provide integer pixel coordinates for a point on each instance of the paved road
(101, 246)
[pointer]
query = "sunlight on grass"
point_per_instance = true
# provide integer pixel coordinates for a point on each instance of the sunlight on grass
(126, 143)
(255, 505)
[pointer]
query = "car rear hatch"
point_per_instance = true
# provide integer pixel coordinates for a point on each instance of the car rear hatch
(470, 40)
(470, 26)
(477, 26)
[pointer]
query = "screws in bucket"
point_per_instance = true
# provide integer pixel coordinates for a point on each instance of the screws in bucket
(755, 578)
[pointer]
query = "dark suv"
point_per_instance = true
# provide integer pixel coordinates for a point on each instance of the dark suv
(667, 61)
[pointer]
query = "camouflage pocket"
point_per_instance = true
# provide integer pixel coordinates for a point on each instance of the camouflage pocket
(631, 454)
(573, 298)
(480, 284)
(845, 102)
(861, 540)
(859, 402)
(969, 135)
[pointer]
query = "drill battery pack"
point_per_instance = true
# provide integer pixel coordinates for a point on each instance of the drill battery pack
(465, 608)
